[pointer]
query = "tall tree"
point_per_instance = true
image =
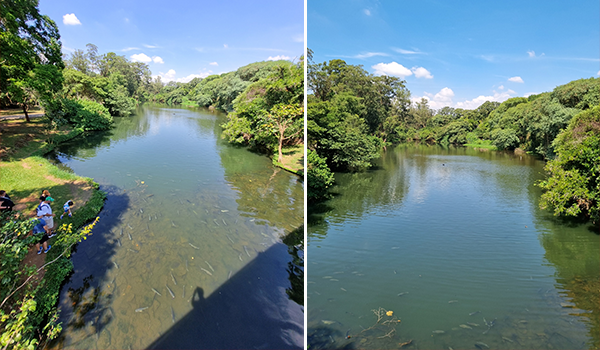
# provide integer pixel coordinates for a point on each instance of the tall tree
(30, 54)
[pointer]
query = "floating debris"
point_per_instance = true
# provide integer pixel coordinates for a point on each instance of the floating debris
(155, 291)
(224, 222)
(117, 266)
(129, 234)
(473, 324)
(401, 294)
(193, 246)
(246, 249)
(215, 221)
(173, 278)
(474, 313)
(481, 345)
(508, 340)
(230, 239)
(224, 210)
(438, 332)
(229, 276)
(205, 270)
(141, 309)
(172, 315)
(465, 326)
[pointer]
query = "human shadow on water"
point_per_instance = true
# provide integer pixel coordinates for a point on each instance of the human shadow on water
(251, 310)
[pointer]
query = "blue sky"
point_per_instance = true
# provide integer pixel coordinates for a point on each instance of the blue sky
(180, 40)
(461, 53)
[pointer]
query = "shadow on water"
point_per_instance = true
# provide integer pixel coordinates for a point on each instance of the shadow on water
(82, 295)
(251, 310)
(322, 337)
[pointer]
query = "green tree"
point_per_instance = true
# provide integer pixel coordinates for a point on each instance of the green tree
(319, 177)
(573, 185)
(30, 54)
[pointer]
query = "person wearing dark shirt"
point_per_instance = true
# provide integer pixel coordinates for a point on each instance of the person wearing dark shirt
(6, 204)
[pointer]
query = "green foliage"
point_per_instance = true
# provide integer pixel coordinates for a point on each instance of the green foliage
(30, 55)
(319, 177)
(573, 185)
(82, 114)
(269, 113)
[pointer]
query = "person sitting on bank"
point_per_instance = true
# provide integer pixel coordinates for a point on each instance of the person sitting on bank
(42, 227)
(6, 204)
(45, 212)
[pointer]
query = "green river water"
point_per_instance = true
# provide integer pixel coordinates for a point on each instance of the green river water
(188, 252)
(453, 242)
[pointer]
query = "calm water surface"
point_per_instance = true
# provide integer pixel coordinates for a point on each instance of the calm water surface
(188, 252)
(452, 241)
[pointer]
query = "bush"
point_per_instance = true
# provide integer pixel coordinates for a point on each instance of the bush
(87, 115)
(319, 177)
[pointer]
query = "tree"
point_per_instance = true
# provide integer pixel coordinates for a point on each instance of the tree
(30, 54)
(573, 185)
(285, 121)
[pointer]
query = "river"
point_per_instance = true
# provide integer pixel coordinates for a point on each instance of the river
(447, 249)
(189, 251)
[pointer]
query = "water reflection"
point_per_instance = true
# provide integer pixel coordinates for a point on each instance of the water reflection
(187, 217)
(450, 241)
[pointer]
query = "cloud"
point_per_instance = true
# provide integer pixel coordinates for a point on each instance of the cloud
(277, 58)
(367, 12)
(501, 87)
(421, 72)
(370, 54)
(166, 77)
(489, 58)
(407, 52)
(213, 63)
(225, 46)
(140, 57)
(531, 53)
(129, 49)
(439, 100)
(598, 73)
(66, 48)
(150, 46)
(71, 20)
(394, 69)
(516, 80)
(192, 76)
(157, 59)
(478, 101)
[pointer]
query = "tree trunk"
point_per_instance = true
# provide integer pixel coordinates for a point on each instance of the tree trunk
(26, 115)
(280, 159)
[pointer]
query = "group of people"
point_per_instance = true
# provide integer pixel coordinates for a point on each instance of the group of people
(44, 216)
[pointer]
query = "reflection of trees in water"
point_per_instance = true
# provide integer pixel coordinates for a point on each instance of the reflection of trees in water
(295, 242)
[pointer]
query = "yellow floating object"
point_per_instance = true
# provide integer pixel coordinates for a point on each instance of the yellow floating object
(389, 313)
(142, 181)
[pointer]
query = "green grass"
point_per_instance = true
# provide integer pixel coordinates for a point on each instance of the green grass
(19, 111)
(293, 159)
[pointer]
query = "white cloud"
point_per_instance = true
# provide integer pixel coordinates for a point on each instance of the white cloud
(277, 58)
(192, 76)
(501, 87)
(157, 59)
(531, 53)
(129, 49)
(367, 12)
(213, 63)
(150, 46)
(394, 69)
(71, 20)
(598, 73)
(166, 77)
(439, 100)
(407, 52)
(140, 57)
(421, 72)
(370, 54)
(478, 101)
(516, 80)
(489, 58)
(66, 48)
(225, 46)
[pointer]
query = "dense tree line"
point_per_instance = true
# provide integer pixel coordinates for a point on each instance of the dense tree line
(353, 115)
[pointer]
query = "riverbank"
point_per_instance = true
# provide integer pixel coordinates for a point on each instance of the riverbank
(25, 173)
(293, 160)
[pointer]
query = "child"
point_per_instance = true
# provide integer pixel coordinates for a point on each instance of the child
(67, 208)
(41, 227)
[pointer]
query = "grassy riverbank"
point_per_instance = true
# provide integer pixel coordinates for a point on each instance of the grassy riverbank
(293, 159)
(25, 174)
